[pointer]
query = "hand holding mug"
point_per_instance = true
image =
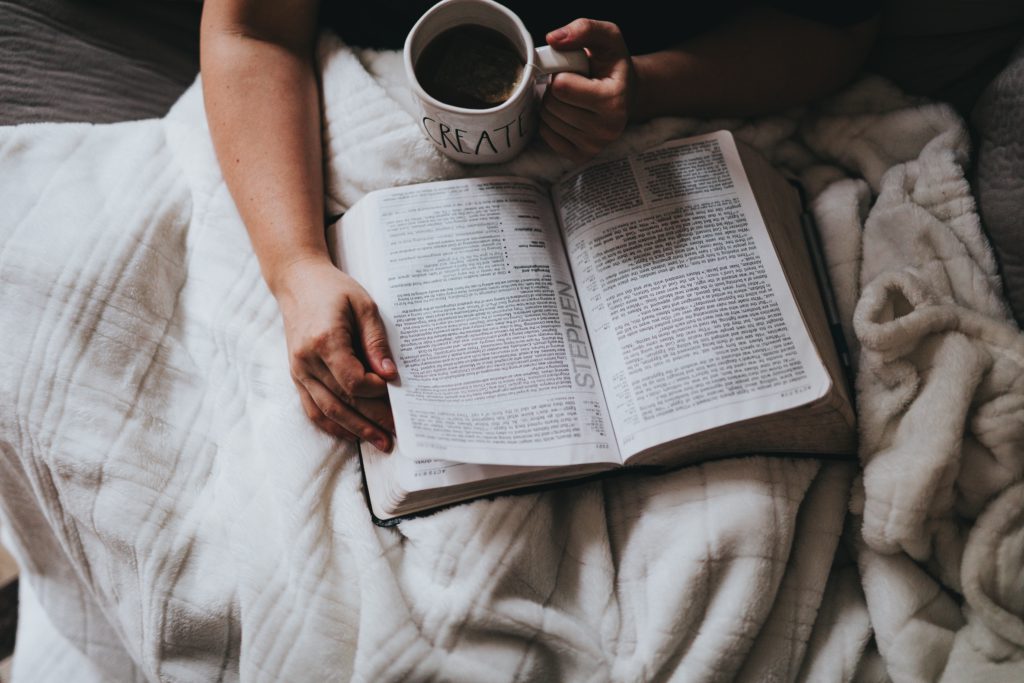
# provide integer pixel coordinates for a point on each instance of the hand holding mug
(475, 93)
(580, 116)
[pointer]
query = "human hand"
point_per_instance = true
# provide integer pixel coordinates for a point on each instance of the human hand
(580, 116)
(338, 352)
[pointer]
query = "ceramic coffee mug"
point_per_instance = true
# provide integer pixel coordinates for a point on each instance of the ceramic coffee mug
(496, 134)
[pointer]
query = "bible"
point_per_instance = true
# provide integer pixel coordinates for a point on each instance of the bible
(656, 310)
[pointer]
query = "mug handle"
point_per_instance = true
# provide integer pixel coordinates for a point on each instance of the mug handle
(550, 61)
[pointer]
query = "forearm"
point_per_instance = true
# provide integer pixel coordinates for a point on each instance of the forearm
(263, 109)
(761, 61)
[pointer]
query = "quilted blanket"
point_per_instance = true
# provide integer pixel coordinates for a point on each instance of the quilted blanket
(177, 517)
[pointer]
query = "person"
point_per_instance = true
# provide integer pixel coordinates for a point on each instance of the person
(261, 97)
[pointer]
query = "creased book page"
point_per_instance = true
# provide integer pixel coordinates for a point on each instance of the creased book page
(689, 311)
(391, 476)
(495, 365)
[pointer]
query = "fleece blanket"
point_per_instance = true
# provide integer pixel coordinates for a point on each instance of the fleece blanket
(176, 516)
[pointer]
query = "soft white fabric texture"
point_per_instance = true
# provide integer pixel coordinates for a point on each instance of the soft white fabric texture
(177, 517)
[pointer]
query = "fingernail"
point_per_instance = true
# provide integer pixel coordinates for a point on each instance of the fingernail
(381, 443)
(388, 365)
(558, 34)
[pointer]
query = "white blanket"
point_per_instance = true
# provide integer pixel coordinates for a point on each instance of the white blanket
(177, 517)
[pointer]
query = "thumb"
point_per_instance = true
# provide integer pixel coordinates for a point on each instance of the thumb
(374, 339)
(603, 38)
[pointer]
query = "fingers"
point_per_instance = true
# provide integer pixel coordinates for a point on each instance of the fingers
(340, 395)
(333, 415)
(593, 95)
(339, 357)
(585, 132)
(341, 409)
(374, 340)
(603, 41)
(346, 375)
(566, 141)
(319, 419)
(377, 411)
(569, 115)
(322, 374)
(582, 115)
(589, 33)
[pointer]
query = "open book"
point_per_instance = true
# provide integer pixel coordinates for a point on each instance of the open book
(660, 309)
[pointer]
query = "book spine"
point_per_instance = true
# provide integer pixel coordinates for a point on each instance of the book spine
(814, 246)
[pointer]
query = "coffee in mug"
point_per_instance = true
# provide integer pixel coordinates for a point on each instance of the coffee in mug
(472, 67)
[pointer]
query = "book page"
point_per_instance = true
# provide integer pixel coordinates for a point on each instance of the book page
(400, 485)
(390, 476)
(482, 316)
(690, 314)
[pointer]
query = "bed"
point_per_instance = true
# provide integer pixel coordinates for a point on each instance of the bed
(177, 518)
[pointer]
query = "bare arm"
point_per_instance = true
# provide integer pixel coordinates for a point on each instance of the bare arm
(761, 61)
(262, 103)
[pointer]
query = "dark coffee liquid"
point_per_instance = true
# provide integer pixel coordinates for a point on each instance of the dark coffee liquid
(470, 66)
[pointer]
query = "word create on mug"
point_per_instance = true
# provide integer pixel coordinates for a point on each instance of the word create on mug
(492, 141)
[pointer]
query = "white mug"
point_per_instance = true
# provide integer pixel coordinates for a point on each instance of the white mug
(484, 136)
